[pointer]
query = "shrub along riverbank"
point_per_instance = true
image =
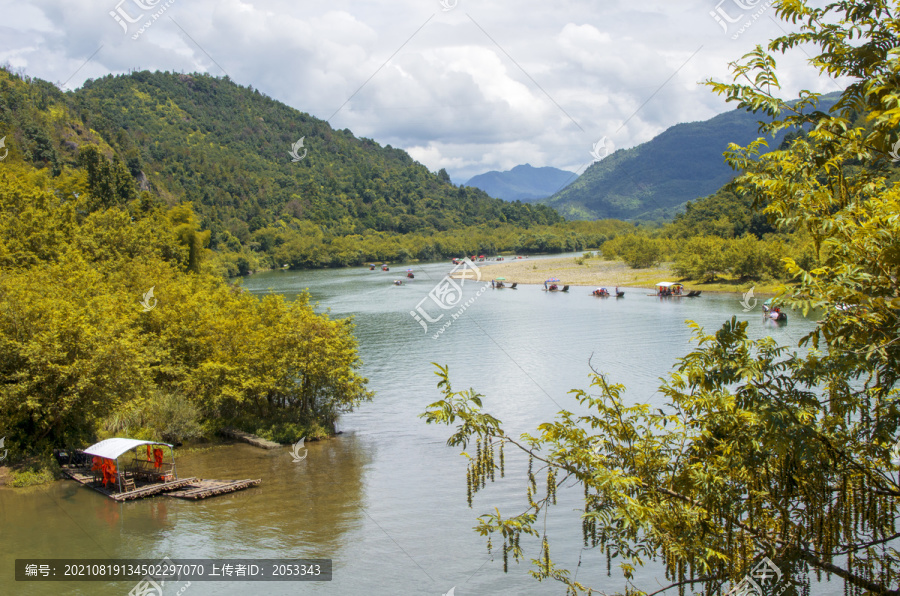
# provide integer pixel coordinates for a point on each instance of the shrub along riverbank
(719, 241)
(111, 324)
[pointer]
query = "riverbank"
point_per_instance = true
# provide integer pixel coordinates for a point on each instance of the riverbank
(579, 271)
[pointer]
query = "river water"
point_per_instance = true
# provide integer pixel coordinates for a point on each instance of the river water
(386, 500)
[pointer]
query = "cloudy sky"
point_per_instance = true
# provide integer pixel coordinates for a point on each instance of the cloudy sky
(462, 85)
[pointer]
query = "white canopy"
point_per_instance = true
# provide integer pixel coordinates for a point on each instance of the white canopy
(113, 448)
(666, 284)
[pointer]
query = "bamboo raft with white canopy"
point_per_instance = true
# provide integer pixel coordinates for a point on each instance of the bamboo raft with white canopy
(146, 473)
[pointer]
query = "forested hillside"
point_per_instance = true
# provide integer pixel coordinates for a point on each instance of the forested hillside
(654, 180)
(226, 150)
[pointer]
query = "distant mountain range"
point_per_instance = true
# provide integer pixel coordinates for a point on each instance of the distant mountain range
(655, 179)
(522, 183)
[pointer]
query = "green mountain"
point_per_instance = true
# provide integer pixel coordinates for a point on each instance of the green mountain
(227, 149)
(655, 179)
(522, 183)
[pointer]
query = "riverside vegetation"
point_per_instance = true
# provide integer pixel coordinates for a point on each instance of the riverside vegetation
(81, 358)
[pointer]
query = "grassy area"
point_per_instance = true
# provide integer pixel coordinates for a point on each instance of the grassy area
(32, 472)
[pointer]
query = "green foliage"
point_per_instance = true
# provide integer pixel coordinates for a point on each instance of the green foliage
(32, 477)
(109, 183)
(173, 418)
(639, 250)
(78, 351)
(721, 214)
(756, 451)
(225, 149)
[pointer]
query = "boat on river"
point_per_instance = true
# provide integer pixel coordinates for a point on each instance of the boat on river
(409, 274)
(604, 293)
(552, 285)
(773, 312)
(384, 267)
(126, 469)
(498, 284)
(671, 289)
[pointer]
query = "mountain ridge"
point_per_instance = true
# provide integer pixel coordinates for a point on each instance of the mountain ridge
(523, 182)
(653, 180)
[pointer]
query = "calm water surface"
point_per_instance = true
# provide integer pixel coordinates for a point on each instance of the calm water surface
(386, 500)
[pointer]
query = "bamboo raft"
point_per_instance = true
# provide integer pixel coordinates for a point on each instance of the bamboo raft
(84, 476)
(248, 438)
(200, 489)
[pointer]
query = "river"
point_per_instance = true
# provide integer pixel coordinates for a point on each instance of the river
(386, 500)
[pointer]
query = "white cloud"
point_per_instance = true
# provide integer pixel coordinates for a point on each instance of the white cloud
(479, 87)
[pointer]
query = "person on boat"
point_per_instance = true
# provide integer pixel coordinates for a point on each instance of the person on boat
(493, 285)
(545, 286)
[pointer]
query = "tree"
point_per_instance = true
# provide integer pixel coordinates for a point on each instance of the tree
(757, 452)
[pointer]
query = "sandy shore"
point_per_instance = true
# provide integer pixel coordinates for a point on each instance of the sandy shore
(594, 272)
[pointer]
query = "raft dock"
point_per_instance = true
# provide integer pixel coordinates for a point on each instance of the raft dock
(146, 474)
(200, 489)
(184, 488)
(252, 439)
(84, 476)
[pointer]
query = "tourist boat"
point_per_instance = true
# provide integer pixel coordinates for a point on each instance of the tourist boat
(397, 282)
(773, 313)
(671, 289)
(371, 266)
(604, 293)
(497, 284)
(125, 469)
(385, 267)
(409, 274)
(552, 285)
